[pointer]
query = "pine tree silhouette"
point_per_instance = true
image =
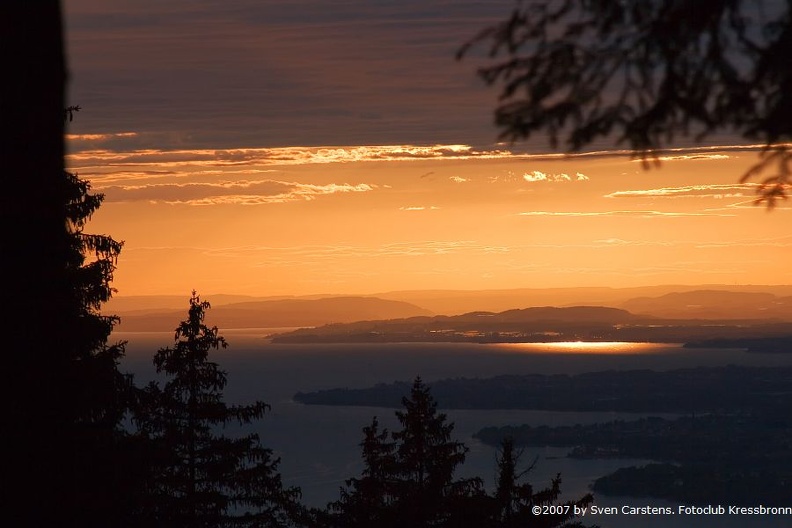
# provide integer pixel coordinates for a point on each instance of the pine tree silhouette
(513, 499)
(205, 479)
(408, 478)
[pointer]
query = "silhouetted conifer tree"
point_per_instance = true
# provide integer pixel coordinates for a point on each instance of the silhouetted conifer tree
(97, 391)
(513, 500)
(205, 479)
(68, 395)
(367, 500)
(408, 478)
(101, 391)
(426, 459)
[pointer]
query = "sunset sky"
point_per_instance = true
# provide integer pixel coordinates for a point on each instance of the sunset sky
(306, 147)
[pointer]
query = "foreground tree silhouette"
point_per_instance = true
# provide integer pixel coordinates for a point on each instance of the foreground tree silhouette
(513, 500)
(426, 460)
(408, 481)
(99, 394)
(205, 479)
(38, 420)
(63, 393)
(647, 72)
(367, 500)
(408, 478)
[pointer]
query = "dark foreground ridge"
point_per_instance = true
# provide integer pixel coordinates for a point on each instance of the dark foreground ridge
(729, 444)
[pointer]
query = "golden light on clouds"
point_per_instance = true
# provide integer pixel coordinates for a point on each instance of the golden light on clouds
(622, 213)
(242, 192)
(278, 156)
(99, 137)
(258, 150)
(539, 176)
(736, 190)
(363, 219)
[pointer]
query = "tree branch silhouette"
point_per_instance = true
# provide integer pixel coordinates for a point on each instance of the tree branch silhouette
(646, 73)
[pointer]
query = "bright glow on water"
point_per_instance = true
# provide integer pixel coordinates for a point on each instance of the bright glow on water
(586, 347)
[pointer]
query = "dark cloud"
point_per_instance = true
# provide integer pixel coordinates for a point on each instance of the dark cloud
(251, 73)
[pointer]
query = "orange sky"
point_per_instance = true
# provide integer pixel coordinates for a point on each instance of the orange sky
(367, 219)
(193, 125)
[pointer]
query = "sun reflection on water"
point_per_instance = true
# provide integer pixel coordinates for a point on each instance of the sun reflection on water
(585, 347)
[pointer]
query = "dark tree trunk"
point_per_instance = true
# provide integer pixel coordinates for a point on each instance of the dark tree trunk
(38, 301)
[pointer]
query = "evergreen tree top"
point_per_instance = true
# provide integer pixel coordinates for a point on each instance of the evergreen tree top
(205, 478)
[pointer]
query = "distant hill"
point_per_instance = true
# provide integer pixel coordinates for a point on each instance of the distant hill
(455, 302)
(275, 313)
(149, 303)
(528, 324)
(713, 304)
(538, 325)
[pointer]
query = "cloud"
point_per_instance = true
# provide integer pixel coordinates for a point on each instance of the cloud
(689, 157)
(281, 155)
(612, 242)
(100, 137)
(107, 160)
(241, 192)
(419, 208)
(534, 176)
(539, 176)
(717, 191)
(309, 255)
(640, 214)
(777, 242)
(284, 75)
(275, 71)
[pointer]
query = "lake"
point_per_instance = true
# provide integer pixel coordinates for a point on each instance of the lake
(318, 445)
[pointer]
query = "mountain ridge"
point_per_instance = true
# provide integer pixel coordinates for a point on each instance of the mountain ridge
(278, 313)
(713, 302)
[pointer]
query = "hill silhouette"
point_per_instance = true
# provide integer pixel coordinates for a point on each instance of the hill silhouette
(527, 324)
(541, 324)
(713, 304)
(279, 313)
(457, 302)
(674, 303)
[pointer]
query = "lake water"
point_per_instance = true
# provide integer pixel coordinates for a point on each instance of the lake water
(318, 445)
